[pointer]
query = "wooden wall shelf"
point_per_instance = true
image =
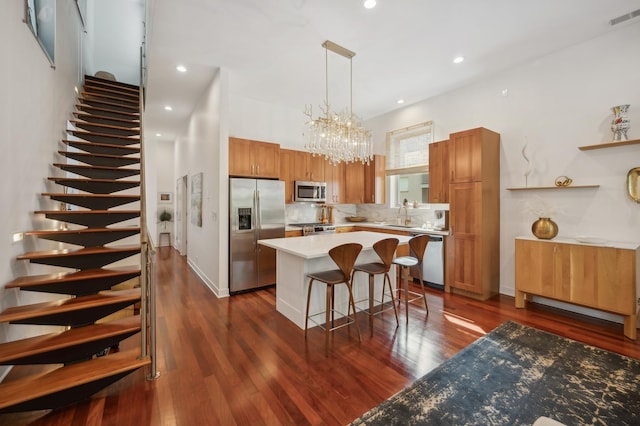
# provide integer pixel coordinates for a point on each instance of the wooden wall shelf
(523, 188)
(609, 145)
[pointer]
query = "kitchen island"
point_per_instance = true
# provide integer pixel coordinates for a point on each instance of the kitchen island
(298, 256)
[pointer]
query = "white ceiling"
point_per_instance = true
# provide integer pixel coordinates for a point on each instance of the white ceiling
(404, 48)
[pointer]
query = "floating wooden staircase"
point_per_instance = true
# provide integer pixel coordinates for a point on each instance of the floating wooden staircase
(104, 148)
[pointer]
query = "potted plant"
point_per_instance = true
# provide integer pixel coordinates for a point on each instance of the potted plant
(165, 217)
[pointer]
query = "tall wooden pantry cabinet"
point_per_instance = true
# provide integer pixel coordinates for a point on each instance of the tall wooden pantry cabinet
(473, 248)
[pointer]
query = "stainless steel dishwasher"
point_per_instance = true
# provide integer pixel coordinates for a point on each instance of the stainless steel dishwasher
(433, 262)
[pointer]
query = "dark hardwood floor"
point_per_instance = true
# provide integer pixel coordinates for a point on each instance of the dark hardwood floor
(237, 361)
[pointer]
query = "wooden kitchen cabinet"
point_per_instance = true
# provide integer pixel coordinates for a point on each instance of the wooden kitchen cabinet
(596, 277)
(439, 172)
(287, 157)
(354, 183)
(471, 155)
(365, 183)
(473, 248)
(308, 167)
(374, 180)
(334, 176)
(248, 158)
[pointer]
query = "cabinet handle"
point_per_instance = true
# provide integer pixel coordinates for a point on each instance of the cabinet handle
(252, 169)
(258, 169)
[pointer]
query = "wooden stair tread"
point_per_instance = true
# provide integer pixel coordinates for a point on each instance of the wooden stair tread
(109, 145)
(119, 84)
(109, 104)
(89, 118)
(91, 158)
(134, 115)
(62, 194)
(80, 133)
(36, 280)
(118, 181)
(50, 342)
(80, 123)
(106, 168)
(76, 252)
(119, 100)
(88, 212)
(15, 392)
(93, 201)
(79, 231)
(23, 312)
(94, 88)
(101, 148)
(87, 237)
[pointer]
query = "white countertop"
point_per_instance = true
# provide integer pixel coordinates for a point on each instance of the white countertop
(318, 245)
(413, 230)
(581, 241)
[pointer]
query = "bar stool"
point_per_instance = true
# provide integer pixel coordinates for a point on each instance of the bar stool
(385, 249)
(345, 257)
(417, 245)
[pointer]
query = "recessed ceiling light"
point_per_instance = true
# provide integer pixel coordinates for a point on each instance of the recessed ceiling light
(400, 101)
(458, 59)
(181, 68)
(369, 4)
(158, 134)
(168, 108)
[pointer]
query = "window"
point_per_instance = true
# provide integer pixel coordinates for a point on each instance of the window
(408, 163)
(40, 16)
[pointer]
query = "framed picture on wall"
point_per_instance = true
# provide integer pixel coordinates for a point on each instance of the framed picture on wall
(196, 199)
(165, 197)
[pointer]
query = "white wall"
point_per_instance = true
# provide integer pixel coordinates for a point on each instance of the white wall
(203, 149)
(35, 103)
(252, 119)
(557, 103)
(115, 24)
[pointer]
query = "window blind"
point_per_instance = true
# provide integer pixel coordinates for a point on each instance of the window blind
(408, 149)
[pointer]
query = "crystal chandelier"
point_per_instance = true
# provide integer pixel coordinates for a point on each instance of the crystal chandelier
(338, 136)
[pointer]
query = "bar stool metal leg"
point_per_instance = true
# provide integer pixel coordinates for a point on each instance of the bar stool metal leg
(406, 291)
(371, 303)
(329, 312)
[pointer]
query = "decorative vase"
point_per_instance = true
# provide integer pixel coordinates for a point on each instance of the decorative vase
(544, 228)
(621, 123)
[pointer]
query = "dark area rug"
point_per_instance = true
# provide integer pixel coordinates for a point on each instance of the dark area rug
(514, 375)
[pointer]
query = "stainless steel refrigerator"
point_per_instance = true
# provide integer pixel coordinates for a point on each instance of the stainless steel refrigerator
(256, 212)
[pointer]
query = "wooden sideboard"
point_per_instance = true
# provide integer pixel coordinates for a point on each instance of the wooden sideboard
(601, 277)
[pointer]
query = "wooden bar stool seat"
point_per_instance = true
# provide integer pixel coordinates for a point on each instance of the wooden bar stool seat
(385, 249)
(344, 256)
(417, 246)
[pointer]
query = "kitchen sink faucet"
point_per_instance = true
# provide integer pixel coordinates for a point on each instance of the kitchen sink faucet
(407, 220)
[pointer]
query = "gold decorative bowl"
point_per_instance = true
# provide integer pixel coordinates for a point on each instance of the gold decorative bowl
(356, 218)
(563, 181)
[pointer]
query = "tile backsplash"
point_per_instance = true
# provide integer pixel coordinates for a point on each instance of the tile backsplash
(425, 214)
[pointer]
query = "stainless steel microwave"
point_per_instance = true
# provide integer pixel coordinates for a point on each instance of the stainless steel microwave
(310, 191)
